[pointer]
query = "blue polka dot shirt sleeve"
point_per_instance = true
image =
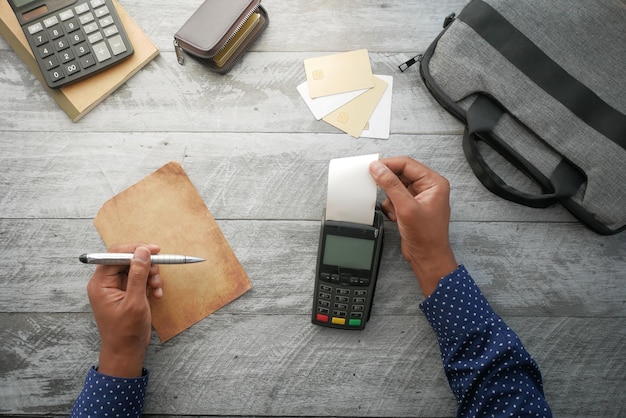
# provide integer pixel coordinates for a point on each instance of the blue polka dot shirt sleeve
(107, 396)
(489, 370)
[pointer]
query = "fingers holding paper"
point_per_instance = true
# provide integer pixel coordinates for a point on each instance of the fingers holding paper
(418, 200)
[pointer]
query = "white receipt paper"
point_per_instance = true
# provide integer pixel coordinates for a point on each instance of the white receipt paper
(351, 190)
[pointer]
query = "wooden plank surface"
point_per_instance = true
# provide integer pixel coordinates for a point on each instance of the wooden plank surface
(260, 160)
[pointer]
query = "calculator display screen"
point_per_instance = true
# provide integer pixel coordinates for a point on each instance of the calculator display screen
(20, 3)
(348, 252)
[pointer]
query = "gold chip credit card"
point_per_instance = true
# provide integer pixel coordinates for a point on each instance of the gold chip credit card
(231, 46)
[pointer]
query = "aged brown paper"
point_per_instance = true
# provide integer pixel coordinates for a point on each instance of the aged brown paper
(165, 209)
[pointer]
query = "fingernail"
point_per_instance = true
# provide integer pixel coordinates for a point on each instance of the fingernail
(142, 254)
(377, 167)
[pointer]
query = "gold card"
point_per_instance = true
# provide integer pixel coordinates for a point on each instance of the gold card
(166, 209)
(231, 46)
(338, 73)
(354, 115)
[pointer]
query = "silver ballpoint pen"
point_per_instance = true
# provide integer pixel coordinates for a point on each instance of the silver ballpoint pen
(125, 258)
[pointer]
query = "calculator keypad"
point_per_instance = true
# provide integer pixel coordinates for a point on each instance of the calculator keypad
(78, 41)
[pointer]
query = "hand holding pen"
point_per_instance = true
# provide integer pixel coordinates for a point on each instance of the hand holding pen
(118, 295)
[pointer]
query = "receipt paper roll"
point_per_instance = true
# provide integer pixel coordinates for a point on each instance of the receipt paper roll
(351, 190)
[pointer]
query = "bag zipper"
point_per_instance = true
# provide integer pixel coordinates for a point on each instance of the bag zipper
(418, 58)
(406, 65)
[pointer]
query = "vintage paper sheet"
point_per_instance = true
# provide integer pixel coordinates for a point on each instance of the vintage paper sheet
(165, 209)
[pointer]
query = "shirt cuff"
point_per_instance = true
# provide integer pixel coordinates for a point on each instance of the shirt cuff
(103, 394)
(456, 306)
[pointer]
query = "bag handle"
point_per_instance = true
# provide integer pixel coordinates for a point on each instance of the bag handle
(482, 117)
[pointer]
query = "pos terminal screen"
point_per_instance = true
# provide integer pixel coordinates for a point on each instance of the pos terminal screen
(348, 252)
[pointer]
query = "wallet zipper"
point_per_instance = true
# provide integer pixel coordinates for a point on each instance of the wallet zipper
(237, 29)
(180, 57)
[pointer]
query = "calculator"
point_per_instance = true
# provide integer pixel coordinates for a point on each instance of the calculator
(347, 270)
(72, 39)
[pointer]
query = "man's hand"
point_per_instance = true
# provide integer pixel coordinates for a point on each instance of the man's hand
(418, 200)
(119, 300)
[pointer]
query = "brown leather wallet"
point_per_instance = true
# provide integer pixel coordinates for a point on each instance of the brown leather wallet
(220, 31)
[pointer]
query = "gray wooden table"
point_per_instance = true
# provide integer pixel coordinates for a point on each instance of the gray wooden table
(260, 160)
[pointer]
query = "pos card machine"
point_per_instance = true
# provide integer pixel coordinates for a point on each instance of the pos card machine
(347, 268)
(350, 246)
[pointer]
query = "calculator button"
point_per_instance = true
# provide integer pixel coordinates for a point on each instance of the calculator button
(103, 11)
(56, 75)
(110, 31)
(66, 14)
(356, 315)
(323, 295)
(343, 291)
(90, 28)
(67, 56)
(101, 51)
(71, 69)
(325, 288)
(55, 32)
(87, 61)
(354, 322)
(95, 37)
(71, 26)
(33, 29)
(77, 38)
(117, 45)
(81, 8)
(344, 299)
(86, 18)
(40, 39)
(61, 44)
(96, 3)
(358, 308)
(341, 306)
(340, 314)
(360, 292)
(50, 21)
(51, 63)
(106, 21)
(82, 50)
(45, 51)
(359, 300)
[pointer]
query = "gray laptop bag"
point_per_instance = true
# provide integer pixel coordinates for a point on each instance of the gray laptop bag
(541, 86)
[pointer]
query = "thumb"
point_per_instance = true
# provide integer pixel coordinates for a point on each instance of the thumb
(390, 183)
(138, 274)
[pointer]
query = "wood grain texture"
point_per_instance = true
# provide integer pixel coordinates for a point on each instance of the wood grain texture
(282, 365)
(259, 161)
(523, 268)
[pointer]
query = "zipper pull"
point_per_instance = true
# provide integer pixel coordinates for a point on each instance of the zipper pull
(405, 66)
(179, 53)
(449, 19)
